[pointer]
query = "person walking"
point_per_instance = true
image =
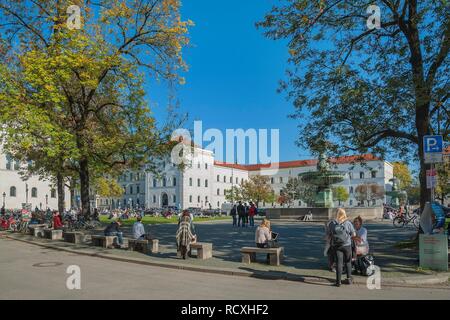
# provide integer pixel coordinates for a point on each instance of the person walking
(341, 232)
(252, 214)
(246, 213)
(233, 214)
(184, 237)
(241, 214)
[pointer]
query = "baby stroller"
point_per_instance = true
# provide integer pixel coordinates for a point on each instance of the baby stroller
(363, 261)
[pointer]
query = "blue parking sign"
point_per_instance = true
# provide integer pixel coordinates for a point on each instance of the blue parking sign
(433, 144)
(433, 147)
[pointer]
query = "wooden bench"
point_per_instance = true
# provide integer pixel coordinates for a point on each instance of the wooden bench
(144, 246)
(275, 255)
(103, 241)
(37, 230)
(204, 250)
(73, 237)
(53, 234)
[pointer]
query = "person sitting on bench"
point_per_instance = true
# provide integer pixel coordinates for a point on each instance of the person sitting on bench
(113, 230)
(263, 235)
(139, 230)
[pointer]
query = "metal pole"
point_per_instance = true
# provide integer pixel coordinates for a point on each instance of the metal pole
(432, 183)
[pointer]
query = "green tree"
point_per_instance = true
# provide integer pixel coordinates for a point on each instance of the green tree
(402, 173)
(373, 89)
(256, 189)
(340, 194)
(443, 181)
(89, 81)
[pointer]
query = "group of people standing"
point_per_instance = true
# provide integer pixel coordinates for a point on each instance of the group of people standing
(244, 214)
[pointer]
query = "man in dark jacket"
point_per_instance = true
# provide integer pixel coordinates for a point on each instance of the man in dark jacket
(113, 229)
(233, 214)
(241, 214)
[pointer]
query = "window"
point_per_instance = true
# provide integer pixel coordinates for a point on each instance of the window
(198, 182)
(198, 165)
(8, 163)
(53, 193)
(271, 180)
(131, 189)
(218, 192)
(374, 202)
(299, 203)
(206, 199)
(206, 166)
(218, 178)
(164, 182)
(34, 193)
(242, 181)
(351, 202)
(361, 175)
(198, 199)
(281, 179)
(138, 189)
(374, 174)
(190, 199)
(206, 183)
(231, 179)
(154, 183)
(174, 181)
(224, 178)
(350, 175)
(190, 183)
(12, 191)
(237, 180)
(174, 198)
(154, 199)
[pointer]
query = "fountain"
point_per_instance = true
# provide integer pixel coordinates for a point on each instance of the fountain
(396, 194)
(322, 179)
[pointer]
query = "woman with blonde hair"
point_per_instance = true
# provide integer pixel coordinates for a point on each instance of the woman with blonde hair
(263, 235)
(341, 232)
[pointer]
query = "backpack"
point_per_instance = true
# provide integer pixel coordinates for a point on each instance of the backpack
(339, 235)
(366, 265)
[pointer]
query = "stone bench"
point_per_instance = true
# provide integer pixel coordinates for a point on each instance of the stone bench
(103, 241)
(204, 250)
(144, 246)
(53, 234)
(37, 230)
(275, 255)
(73, 237)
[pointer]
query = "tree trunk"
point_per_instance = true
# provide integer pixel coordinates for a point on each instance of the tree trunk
(61, 195)
(72, 195)
(422, 123)
(84, 188)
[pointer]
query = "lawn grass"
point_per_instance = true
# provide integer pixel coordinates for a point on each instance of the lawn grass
(161, 220)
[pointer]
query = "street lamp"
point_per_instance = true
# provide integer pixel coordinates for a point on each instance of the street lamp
(4, 196)
(46, 201)
(26, 194)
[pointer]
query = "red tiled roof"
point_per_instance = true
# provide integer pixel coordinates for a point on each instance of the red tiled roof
(297, 163)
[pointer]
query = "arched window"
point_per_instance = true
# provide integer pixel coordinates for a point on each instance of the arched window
(34, 192)
(190, 182)
(218, 192)
(53, 193)
(12, 191)
(224, 178)
(198, 182)
(218, 178)
(198, 199)
(361, 175)
(206, 183)
(164, 182)
(231, 179)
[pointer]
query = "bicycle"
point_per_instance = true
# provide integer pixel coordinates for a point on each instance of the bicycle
(401, 221)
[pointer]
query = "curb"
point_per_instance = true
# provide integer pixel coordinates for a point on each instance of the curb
(425, 280)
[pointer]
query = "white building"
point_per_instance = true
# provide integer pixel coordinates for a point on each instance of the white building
(16, 192)
(204, 182)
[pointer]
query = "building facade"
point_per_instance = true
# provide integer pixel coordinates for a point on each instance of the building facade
(15, 192)
(204, 182)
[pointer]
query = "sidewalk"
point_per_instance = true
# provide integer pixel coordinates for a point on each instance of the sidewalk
(226, 261)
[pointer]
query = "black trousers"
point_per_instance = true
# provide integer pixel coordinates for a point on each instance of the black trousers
(264, 245)
(343, 255)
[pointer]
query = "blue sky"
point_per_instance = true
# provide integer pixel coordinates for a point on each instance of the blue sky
(233, 72)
